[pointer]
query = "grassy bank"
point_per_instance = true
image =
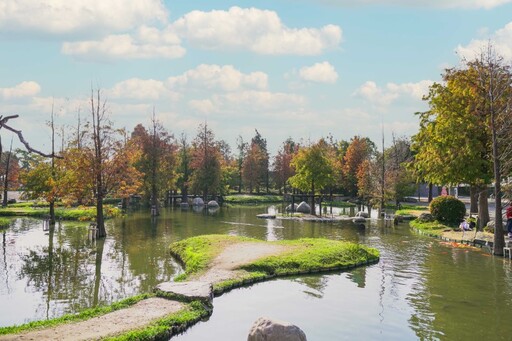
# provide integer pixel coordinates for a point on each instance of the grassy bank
(81, 213)
(252, 199)
(412, 210)
(433, 228)
(300, 256)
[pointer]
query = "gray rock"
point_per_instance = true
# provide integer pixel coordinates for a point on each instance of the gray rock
(213, 203)
(265, 329)
(363, 214)
(426, 217)
(198, 202)
(187, 291)
(289, 208)
(358, 220)
(303, 208)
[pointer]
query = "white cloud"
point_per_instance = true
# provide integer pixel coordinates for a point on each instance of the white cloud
(384, 96)
(225, 78)
(24, 89)
(487, 4)
(147, 42)
(65, 17)
(136, 88)
(253, 29)
(204, 106)
(320, 72)
(501, 40)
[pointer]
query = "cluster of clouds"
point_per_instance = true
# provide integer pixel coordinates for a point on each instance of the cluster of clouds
(139, 30)
(487, 4)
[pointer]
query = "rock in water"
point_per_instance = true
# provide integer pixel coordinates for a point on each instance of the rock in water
(303, 208)
(213, 203)
(363, 214)
(289, 208)
(265, 329)
(197, 202)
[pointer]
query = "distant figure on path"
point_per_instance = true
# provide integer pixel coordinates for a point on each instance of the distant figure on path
(509, 221)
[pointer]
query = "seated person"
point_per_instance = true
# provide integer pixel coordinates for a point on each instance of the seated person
(464, 226)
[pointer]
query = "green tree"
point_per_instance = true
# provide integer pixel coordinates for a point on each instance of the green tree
(205, 163)
(313, 169)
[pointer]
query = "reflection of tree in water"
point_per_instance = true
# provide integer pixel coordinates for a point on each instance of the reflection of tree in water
(317, 283)
(58, 271)
(358, 276)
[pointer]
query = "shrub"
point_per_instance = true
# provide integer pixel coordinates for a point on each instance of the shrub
(448, 209)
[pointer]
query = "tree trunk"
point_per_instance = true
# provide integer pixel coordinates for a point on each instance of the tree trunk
(474, 198)
(100, 220)
(430, 186)
(483, 208)
(52, 212)
(313, 211)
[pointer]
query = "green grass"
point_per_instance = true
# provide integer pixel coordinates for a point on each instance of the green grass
(338, 204)
(84, 315)
(309, 254)
(4, 222)
(166, 327)
(414, 210)
(197, 252)
(303, 255)
(252, 199)
(433, 228)
(81, 213)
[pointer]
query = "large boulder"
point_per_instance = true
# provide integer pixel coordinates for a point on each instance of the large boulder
(303, 208)
(197, 202)
(265, 329)
(363, 214)
(213, 203)
(289, 208)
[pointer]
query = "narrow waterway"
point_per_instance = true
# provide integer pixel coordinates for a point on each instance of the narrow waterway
(420, 289)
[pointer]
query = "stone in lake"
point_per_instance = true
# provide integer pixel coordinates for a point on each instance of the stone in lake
(213, 203)
(198, 202)
(426, 217)
(363, 214)
(265, 329)
(289, 208)
(303, 208)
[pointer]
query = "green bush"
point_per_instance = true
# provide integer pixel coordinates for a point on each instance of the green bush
(448, 209)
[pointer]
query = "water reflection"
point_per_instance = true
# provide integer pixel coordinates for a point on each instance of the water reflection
(419, 289)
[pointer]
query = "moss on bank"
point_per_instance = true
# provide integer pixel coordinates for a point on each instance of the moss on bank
(433, 228)
(83, 315)
(300, 256)
(252, 199)
(81, 213)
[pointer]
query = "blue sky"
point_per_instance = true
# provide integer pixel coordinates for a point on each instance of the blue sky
(302, 69)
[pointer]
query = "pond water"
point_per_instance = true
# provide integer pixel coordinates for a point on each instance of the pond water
(420, 289)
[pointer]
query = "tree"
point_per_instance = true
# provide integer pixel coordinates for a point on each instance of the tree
(281, 166)
(357, 152)
(110, 166)
(313, 169)
(205, 163)
(241, 146)
(256, 172)
(184, 167)
(157, 161)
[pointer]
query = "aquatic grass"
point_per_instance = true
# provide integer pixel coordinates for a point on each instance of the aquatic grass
(83, 315)
(168, 326)
(252, 199)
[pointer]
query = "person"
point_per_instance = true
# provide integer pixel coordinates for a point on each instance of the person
(509, 221)
(464, 226)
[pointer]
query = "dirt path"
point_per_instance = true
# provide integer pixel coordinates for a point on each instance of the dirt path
(225, 265)
(124, 320)
(149, 310)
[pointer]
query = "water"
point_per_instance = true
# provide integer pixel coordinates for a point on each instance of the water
(421, 288)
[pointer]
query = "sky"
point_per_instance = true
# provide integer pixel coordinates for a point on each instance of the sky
(298, 69)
